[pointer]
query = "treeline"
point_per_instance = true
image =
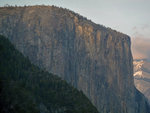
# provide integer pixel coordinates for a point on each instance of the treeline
(24, 88)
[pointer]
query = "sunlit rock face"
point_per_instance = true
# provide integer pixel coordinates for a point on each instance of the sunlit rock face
(91, 57)
(142, 76)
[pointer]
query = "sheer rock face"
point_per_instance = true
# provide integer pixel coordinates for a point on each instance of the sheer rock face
(95, 59)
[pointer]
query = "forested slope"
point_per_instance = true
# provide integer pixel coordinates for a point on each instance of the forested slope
(24, 88)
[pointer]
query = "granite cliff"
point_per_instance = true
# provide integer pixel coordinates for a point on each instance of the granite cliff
(91, 57)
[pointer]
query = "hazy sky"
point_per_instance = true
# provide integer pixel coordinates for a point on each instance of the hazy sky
(128, 16)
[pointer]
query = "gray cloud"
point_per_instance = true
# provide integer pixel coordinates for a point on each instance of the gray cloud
(142, 31)
(141, 48)
(141, 42)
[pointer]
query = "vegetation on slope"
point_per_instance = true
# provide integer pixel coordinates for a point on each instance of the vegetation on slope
(24, 88)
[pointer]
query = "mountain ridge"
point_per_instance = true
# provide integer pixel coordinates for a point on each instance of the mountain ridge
(142, 76)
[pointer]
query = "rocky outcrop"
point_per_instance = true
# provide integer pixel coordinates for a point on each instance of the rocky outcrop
(93, 58)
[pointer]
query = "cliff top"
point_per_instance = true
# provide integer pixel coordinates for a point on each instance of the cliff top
(10, 10)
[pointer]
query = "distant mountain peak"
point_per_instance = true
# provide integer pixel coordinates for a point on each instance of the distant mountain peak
(142, 76)
(138, 64)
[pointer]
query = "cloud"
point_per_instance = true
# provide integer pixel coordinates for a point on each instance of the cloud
(142, 31)
(141, 42)
(141, 48)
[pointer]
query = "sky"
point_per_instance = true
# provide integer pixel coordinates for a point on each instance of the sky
(131, 17)
(141, 48)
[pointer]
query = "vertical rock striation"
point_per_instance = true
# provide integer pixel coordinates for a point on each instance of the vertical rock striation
(94, 59)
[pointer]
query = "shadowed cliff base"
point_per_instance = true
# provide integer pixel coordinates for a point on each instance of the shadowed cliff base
(93, 58)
